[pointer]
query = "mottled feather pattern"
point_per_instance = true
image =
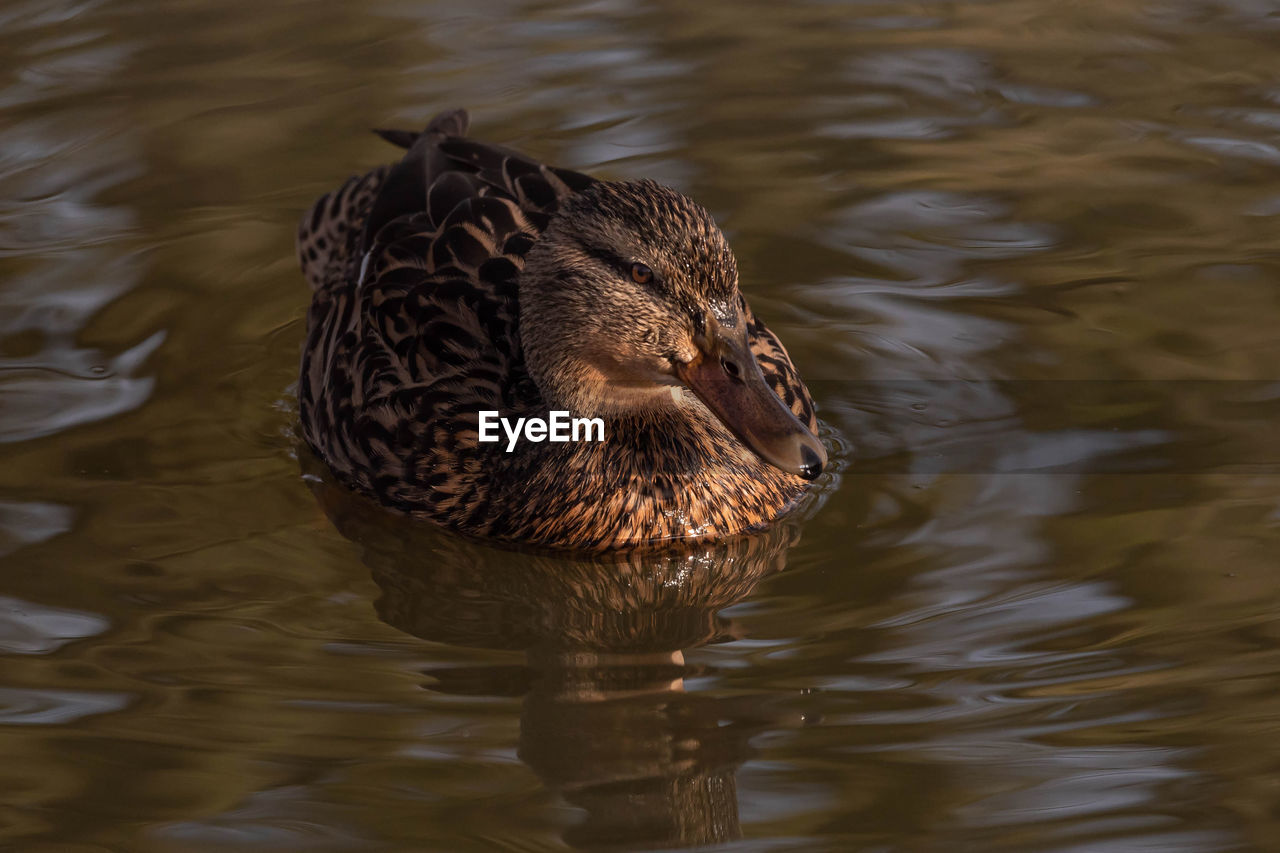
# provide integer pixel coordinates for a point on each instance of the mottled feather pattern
(414, 328)
(327, 233)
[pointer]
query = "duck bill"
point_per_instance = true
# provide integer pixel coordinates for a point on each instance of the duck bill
(728, 380)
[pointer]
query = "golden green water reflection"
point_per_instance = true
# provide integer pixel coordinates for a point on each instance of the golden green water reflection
(1024, 252)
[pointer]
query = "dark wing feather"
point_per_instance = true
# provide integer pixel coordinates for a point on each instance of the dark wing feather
(404, 192)
(533, 185)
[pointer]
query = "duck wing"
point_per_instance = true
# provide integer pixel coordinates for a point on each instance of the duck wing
(413, 328)
(442, 167)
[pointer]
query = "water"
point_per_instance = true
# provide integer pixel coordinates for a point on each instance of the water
(1026, 254)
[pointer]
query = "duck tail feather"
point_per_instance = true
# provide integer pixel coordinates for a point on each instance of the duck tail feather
(399, 138)
(448, 123)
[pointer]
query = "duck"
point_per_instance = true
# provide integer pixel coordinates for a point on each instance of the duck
(469, 278)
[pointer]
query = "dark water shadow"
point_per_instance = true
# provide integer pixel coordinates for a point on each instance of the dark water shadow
(606, 722)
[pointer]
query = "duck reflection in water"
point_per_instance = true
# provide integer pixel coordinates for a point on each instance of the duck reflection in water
(606, 721)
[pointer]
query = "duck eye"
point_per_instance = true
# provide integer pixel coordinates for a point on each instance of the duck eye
(641, 274)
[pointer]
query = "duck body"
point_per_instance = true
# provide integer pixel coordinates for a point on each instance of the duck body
(470, 278)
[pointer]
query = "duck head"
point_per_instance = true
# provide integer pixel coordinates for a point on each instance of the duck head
(629, 298)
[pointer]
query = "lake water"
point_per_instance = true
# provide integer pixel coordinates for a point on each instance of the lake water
(1027, 254)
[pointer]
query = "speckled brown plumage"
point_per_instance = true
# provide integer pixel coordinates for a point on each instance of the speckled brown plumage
(424, 313)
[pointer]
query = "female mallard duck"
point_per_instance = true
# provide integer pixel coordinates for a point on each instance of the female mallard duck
(470, 278)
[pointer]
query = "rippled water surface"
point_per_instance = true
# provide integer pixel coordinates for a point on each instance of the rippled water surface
(1026, 252)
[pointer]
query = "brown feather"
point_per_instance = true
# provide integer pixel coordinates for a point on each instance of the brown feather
(415, 326)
